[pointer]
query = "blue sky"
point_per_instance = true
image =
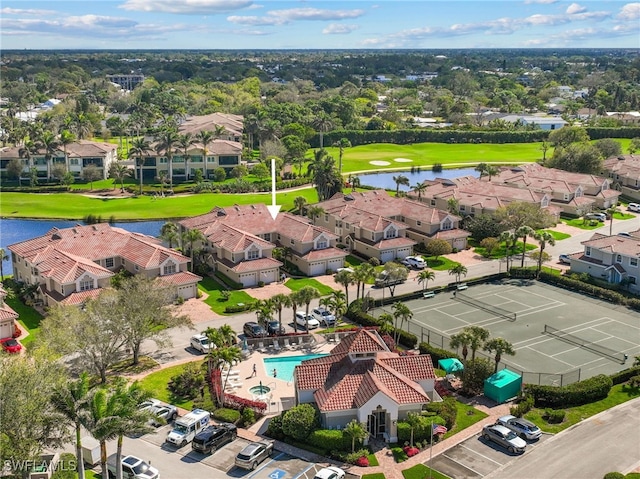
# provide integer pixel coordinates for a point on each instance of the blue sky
(330, 24)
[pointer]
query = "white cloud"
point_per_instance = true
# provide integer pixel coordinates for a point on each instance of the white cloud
(282, 17)
(575, 8)
(27, 11)
(631, 11)
(187, 7)
(339, 28)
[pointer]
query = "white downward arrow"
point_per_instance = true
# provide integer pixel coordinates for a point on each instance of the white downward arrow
(273, 208)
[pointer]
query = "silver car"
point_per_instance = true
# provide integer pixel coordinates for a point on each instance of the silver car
(254, 454)
(523, 428)
(161, 413)
(504, 437)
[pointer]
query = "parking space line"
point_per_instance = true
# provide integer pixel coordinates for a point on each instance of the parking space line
(265, 464)
(305, 471)
(464, 465)
(481, 455)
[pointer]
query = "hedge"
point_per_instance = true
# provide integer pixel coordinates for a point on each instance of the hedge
(329, 440)
(355, 314)
(624, 375)
(577, 285)
(420, 433)
(576, 394)
(226, 415)
(238, 308)
(437, 353)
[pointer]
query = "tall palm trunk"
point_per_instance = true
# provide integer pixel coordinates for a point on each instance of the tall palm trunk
(103, 458)
(119, 458)
(79, 456)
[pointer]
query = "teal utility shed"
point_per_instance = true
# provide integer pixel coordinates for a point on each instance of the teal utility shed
(502, 386)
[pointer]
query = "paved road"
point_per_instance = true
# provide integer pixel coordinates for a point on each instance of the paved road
(609, 441)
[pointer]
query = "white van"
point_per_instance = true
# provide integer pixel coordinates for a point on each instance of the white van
(634, 207)
(186, 427)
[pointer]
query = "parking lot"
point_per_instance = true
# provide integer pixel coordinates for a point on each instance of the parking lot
(475, 457)
(184, 463)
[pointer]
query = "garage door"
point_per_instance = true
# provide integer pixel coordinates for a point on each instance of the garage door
(403, 253)
(268, 276)
(316, 269)
(6, 329)
(387, 256)
(248, 279)
(334, 264)
(459, 243)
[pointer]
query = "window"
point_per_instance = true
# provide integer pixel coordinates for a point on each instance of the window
(433, 202)
(293, 241)
(632, 280)
(418, 223)
(86, 284)
(74, 161)
(108, 262)
(267, 236)
(322, 243)
(326, 217)
(618, 258)
(390, 233)
(633, 261)
(169, 268)
(588, 251)
(462, 208)
(447, 224)
(253, 254)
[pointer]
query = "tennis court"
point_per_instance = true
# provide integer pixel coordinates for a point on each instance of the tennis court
(552, 330)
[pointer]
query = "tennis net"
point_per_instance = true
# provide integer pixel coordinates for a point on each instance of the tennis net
(485, 306)
(585, 344)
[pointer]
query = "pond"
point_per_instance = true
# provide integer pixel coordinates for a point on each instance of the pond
(385, 179)
(16, 230)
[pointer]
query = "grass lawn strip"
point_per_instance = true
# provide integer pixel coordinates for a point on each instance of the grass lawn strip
(619, 215)
(466, 416)
(29, 319)
(420, 471)
(580, 223)
(375, 475)
(439, 264)
(156, 384)
(619, 394)
(297, 284)
(501, 252)
(215, 299)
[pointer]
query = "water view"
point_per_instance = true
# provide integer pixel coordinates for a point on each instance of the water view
(17, 230)
(385, 179)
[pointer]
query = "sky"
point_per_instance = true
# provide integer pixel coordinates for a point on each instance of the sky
(325, 24)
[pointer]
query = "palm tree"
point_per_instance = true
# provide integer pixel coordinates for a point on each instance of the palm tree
(170, 233)
(118, 172)
(356, 431)
(190, 237)
(510, 239)
(363, 273)
(139, 148)
(130, 419)
(205, 137)
(611, 211)
(280, 301)
(101, 422)
(355, 183)
(218, 357)
(402, 312)
(163, 179)
(500, 346)
(49, 143)
(523, 232)
(341, 144)
(491, 171)
(306, 295)
(323, 124)
(544, 238)
(263, 309)
(400, 180)
(477, 338)
(167, 139)
(299, 202)
(386, 323)
(66, 138)
(185, 142)
(325, 175)
(482, 169)
(420, 188)
(424, 277)
(296, 300)
(28, 149)
(414, 420)
(3, 257)
(314, 212)
(345, 278)
(70, 400)
(461, 339)
(458, 270)
(336, 303)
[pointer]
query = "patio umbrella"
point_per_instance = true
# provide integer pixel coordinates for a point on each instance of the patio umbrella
(450, 365)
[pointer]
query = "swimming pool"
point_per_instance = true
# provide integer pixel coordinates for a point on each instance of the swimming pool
(284, 366)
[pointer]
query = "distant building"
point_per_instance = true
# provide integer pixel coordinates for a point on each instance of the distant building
(542, 122)
(127, 82)
(624, 172)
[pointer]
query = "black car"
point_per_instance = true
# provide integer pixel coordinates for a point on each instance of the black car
(253, 330)
(274, 329)
(213, 437)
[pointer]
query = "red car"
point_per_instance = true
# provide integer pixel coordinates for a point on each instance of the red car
(10, 345)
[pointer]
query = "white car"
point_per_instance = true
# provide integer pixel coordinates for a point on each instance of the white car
(132, 468)
(523, 428)
(201, 343)
(162, 413)
(634, 207)
(330, 472)
(325, 317)
(302, 321)
(414, 262)
(348, 270)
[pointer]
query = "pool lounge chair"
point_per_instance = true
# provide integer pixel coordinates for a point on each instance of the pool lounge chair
(276, 345)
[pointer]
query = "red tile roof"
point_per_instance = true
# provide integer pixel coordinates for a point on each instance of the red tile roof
(177, 279)
(327, 253)
(360, 342)
(300, 228)
(80, 297)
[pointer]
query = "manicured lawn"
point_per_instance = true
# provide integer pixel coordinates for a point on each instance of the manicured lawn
(373, 460)
(465, 417)
(580, 223)
(426, 154)
(156, 384)
(351, 261)
(501, 252)
(215, 300)
(297, 284)
(29, 319)
(620, 215)
(440, 263)
(375, 475)
(557, 235)
(74, 206)
(420, 471)
(619, 393)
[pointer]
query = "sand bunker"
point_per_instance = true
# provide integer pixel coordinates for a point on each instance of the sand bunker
(403, 160)
(380, 163)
